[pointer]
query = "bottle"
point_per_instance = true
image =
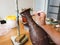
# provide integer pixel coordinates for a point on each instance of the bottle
(37, 34)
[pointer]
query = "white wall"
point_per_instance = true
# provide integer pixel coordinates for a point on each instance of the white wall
(8, 7)
(40, 5)
(25, 4)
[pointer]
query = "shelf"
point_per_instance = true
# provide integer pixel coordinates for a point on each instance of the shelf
(52, 13)
(53, 6)
(53, 10)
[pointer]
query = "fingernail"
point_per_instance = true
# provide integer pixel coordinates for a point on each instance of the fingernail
(38, 14)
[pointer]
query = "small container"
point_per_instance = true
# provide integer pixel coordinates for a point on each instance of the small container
(11, 21)
(24, 20)
(49, 20)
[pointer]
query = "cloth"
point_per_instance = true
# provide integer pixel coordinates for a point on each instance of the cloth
(3, 29)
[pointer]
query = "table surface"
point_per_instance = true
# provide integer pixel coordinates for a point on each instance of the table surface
(6, 39)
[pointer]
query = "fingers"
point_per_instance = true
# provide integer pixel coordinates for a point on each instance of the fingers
(39, 17)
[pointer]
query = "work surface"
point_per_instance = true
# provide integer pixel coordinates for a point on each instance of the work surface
(6, 39)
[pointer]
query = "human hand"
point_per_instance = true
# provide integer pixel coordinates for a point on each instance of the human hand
(39, 17)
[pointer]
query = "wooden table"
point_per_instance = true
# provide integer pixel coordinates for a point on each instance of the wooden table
(6, 39)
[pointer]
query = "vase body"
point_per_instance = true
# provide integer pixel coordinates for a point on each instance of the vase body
(37, 34)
